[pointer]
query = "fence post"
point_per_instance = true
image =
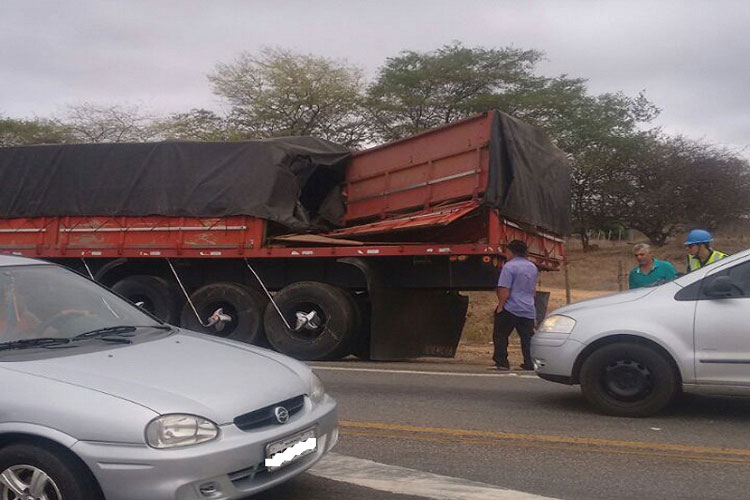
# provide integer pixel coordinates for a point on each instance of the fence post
(567, 281)
(620, 275)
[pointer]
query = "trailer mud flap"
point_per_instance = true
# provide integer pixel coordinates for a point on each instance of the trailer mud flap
(409, 323)
(541, 301)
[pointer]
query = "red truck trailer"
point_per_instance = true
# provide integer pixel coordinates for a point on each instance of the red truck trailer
(363, 253)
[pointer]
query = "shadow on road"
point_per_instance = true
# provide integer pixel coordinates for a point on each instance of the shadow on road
(714, 407)
(686, 406)
(572, 402)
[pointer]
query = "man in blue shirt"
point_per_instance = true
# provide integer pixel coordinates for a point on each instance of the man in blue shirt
(516, 288)
(649, 271)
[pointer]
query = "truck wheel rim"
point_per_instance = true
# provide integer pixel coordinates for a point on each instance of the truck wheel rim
(221, 329)
(26, 482)
(148, 304)
(627, 380)
(309, 332)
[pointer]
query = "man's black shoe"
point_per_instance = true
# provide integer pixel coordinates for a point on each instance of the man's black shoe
(500, 368)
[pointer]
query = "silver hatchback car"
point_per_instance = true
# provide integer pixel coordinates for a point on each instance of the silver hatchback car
(634, 351)
(101, 400)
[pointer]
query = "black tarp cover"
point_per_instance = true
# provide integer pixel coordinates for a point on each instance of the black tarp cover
(529, 177)
(294, 180)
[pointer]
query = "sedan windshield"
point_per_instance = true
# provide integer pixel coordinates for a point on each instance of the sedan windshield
(49, 302)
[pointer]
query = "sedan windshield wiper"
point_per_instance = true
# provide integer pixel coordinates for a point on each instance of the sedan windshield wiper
(117, 331)
(29, 343)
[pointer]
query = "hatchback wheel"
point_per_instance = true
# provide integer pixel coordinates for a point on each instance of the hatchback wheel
(29, 472)
(628, 380)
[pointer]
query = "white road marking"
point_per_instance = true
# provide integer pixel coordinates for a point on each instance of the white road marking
(420, 372)
(403, 481)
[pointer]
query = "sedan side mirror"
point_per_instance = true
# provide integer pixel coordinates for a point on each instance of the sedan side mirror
(720, 287)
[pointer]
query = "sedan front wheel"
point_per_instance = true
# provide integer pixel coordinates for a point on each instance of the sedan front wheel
(34, 472)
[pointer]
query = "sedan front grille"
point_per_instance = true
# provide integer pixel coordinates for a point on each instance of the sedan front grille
(265, 416)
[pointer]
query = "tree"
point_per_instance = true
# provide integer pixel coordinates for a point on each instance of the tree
(21, 132)
(655, 198)
(416, 91)
(419, 90)
(198, 125)
(108, 123)
(602, 139)
(280, 93)
(674, 182)
(717, 186)
(601, 185)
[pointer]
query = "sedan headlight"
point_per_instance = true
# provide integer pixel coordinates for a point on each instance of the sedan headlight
(316, 389)
(171, 431)
(557, 323)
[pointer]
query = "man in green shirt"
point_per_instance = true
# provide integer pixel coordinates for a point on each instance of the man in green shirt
(649, 271)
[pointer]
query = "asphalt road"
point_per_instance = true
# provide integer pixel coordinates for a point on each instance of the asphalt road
(521, 433)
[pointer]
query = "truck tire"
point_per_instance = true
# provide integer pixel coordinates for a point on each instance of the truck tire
(628, 380)
(158, 296)
(244, 304)
(331, 338)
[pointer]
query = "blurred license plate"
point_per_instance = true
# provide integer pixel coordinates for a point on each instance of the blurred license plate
(285, 451)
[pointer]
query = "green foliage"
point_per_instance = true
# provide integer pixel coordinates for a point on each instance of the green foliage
(416, 91)
(198, 125)
(15, 132)
(279, 93)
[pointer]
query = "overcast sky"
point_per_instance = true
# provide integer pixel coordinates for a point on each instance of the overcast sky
(690, 57)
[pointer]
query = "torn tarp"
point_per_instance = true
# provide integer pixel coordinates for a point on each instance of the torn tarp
(529, 178)
(292, 180)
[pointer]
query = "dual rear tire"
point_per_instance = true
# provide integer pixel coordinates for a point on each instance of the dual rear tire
(332, 334)
(164, 300)
(336, 331)
(243, 304)
(154, 294)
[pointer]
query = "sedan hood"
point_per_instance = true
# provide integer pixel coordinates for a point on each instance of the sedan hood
(607, 300)
(182, 373)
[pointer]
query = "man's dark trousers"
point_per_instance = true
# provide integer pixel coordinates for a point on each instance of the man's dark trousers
(505, 322)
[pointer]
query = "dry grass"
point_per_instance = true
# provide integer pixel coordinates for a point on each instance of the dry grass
(591, 274)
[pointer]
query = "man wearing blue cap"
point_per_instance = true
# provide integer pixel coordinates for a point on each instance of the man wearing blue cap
(700, 254)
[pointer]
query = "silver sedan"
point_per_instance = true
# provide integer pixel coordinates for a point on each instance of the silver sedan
(101, 400)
